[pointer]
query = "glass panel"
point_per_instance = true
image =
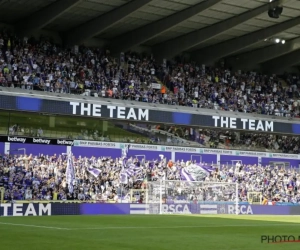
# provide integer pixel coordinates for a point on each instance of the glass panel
(85, 128)
(4, 122)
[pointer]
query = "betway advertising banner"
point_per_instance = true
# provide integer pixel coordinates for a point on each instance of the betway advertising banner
(33, 104)
(49, 209)
(36, 140)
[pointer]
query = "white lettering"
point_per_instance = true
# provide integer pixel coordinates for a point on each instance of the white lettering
(34, 140)
(131, 114)
(16, 139)
(30, 210)
(186, 209)
(178, 208)
(244, 121)
(96, 110)
(251, 124)
(224, 121)
(216, 118)
(171, 208)
(243, 209)
(144, 114)
(44, 209)
(121, 113)
(232, 122)
(231, 209)
(269, 126)
(74, 107)
(164, 208)
(17, 209)
(85, 109)
(64, 142)
(249, 210)
(111, 111)
(260, 126)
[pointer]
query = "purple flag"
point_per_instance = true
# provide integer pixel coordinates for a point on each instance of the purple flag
(94, 171)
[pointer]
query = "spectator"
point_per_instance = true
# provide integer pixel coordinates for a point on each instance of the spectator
(44, 178)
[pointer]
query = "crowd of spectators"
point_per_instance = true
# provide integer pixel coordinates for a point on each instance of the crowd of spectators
(102, 179)
(43, 65)
(221, 89)
(216, 138)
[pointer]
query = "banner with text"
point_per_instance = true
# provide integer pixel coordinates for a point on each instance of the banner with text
(48, 209)
(89, 109)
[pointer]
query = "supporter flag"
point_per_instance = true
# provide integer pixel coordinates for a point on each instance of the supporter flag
(94, 171)
(124, 173)
(195, 172)
(125, 150)
(70, 172)
(123, 178)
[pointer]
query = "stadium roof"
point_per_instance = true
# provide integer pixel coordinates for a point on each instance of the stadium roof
(208, 30)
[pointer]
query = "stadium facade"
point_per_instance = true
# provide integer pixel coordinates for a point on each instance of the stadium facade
(98, 109)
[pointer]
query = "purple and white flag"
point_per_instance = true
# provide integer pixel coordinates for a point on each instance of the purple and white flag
(125, 172)
(123, 178)
(195, 172)
(70, 173)
(94, 171)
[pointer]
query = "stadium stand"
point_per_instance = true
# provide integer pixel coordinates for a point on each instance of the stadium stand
(42, 65)
(44, 178)
(214, 138)
(45, 66)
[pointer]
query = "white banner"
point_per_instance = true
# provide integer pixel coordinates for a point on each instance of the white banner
(96, 144)
(216, 151)
(155, 85)
(286, 156)
(145, 147)
(251, 153)
(149, 147)
(179, 149)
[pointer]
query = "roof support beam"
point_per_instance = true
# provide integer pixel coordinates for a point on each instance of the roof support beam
(103, 22)
(220, 50)
(145, 33)
(249, 59)
(46, 15)
(278, 65)
(170, 48)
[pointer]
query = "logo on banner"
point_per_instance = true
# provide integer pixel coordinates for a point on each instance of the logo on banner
(65, 142)
(41, 141)
(16, 139)
(176, 208)
(242, 209)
